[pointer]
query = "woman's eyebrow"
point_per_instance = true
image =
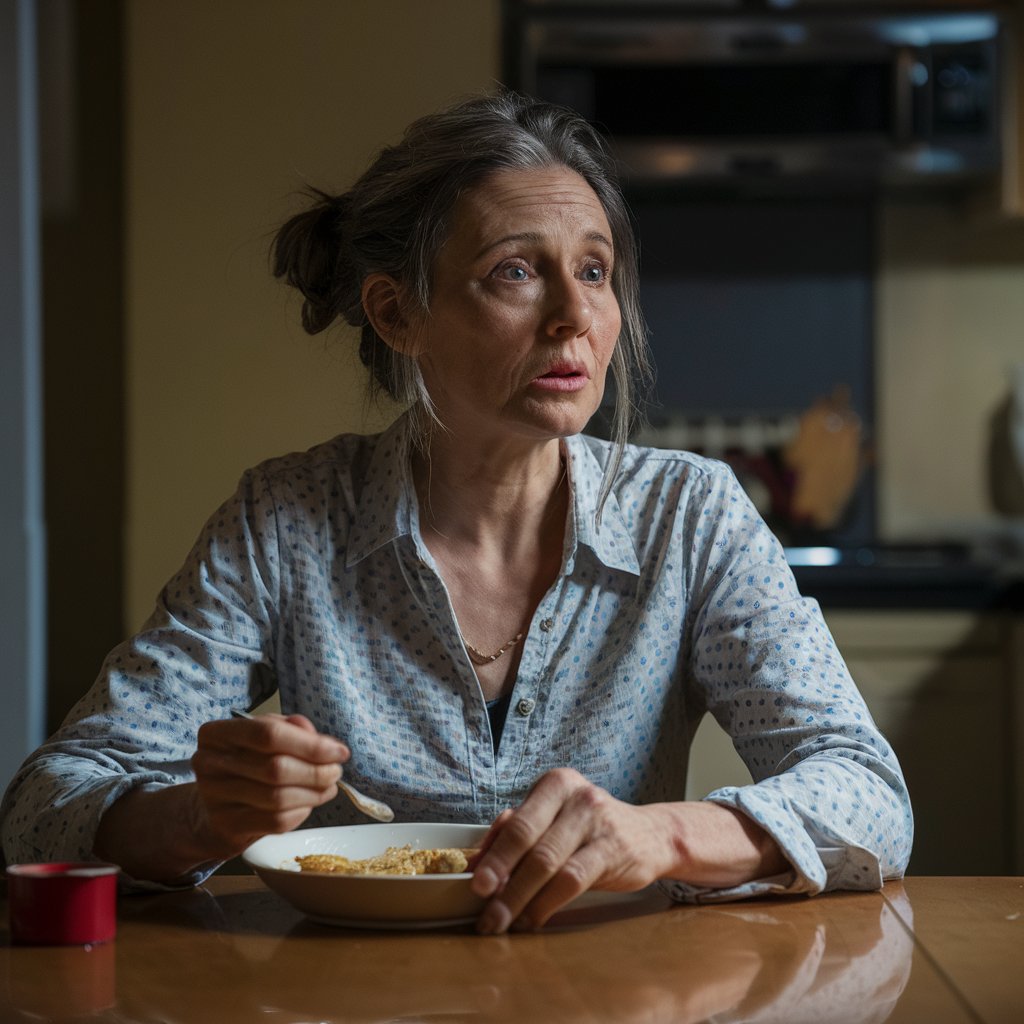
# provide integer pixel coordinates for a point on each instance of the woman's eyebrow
(521, 236)
(536, 236)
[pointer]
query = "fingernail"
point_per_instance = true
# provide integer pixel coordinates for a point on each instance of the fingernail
(494, 920)
(485, 882)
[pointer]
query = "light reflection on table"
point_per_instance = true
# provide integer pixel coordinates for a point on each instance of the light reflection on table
(236, 952)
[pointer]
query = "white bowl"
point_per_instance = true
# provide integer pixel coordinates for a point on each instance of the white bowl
(366, 901)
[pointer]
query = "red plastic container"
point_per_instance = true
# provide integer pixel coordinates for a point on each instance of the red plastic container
(62, 904)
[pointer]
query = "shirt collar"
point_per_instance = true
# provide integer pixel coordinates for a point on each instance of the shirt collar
(386, 508)
(611, 541)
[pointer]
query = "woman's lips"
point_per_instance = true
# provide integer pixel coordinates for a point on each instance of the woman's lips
(561, 379)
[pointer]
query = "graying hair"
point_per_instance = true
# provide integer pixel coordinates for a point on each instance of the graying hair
(397, 215)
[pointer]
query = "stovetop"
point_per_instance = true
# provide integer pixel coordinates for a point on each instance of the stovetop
(922, 575)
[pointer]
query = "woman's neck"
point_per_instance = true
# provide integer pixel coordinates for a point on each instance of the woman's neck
(495, 525)
(496, 500)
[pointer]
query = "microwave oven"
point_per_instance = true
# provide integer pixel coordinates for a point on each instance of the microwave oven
(832, 92)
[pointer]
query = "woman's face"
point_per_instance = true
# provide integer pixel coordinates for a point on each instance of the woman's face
(523, 319)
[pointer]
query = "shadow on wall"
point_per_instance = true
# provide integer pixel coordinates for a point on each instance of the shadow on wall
(946, 716)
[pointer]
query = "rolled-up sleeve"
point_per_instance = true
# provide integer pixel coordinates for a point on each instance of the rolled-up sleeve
(827, 786)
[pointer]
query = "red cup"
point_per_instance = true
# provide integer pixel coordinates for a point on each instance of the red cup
(62, 904)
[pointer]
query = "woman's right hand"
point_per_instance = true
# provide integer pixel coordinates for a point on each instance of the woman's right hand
(253, 777)
(261, 775)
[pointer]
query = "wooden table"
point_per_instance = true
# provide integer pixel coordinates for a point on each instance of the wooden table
(927, 951)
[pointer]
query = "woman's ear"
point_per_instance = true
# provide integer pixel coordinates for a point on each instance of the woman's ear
(385, 304)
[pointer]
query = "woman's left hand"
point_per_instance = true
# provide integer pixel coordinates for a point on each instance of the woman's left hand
(568, 836)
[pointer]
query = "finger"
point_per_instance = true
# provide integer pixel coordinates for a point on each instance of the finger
(241, 812)
(269, 770)
(234, 793)
(554, 854)
(580, 873)
(619, 852)
(273, 734)
(510, 841)
(485, 882)
(514, 838)
(485, 844)
(240, 825)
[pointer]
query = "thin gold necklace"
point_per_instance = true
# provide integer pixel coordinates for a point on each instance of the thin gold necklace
(479, 658)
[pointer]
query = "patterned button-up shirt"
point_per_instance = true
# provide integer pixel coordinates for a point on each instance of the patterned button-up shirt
(313, 580)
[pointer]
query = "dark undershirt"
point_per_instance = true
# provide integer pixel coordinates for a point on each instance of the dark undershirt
(496, 712)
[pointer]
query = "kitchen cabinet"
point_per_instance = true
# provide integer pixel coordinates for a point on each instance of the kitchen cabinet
(947, 690)
(1016, 668)
(1012, 199)
(1005, 200)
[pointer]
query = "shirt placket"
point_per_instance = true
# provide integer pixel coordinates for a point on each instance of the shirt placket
(479, 749)
(530, 697)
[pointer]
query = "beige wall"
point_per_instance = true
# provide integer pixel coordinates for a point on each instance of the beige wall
(232, 106)
(950, 320)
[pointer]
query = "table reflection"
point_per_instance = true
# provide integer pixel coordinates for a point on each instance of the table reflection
(244, 956)
(80, 983)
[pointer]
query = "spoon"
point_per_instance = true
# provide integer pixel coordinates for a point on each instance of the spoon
(375, 809)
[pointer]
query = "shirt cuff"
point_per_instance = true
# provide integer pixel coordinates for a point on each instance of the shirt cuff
(780, 885)
(818, 862)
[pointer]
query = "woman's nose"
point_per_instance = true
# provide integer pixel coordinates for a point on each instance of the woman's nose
(570, 313)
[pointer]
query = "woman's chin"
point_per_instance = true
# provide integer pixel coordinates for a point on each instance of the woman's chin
(538, 419)
(559, 418)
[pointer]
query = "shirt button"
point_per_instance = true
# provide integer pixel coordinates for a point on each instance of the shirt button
(525, 706)
(547, 625)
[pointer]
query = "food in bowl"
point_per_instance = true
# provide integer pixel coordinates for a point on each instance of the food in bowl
(370, 901)
(395, 860)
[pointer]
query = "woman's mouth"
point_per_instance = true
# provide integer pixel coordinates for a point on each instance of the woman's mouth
(562, 379)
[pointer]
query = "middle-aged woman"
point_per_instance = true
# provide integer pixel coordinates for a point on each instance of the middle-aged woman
(495, 617)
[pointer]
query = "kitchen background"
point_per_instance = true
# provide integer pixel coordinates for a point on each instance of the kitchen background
(175, 137)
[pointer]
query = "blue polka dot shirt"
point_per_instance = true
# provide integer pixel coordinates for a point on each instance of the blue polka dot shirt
(313, 580)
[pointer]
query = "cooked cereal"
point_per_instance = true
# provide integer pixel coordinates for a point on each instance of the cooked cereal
(395, 860)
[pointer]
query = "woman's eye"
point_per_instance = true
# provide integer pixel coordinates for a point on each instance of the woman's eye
(594, 274)
(514, 272)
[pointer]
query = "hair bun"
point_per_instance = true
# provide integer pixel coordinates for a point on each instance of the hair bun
(305, 254)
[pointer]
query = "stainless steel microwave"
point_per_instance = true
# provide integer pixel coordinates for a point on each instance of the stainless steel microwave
(795, 89)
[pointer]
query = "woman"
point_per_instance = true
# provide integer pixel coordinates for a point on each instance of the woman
(502, 620)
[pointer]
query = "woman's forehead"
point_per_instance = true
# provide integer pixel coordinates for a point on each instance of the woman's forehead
(537, 198)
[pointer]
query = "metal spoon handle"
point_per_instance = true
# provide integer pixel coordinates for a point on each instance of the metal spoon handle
(375, 809)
